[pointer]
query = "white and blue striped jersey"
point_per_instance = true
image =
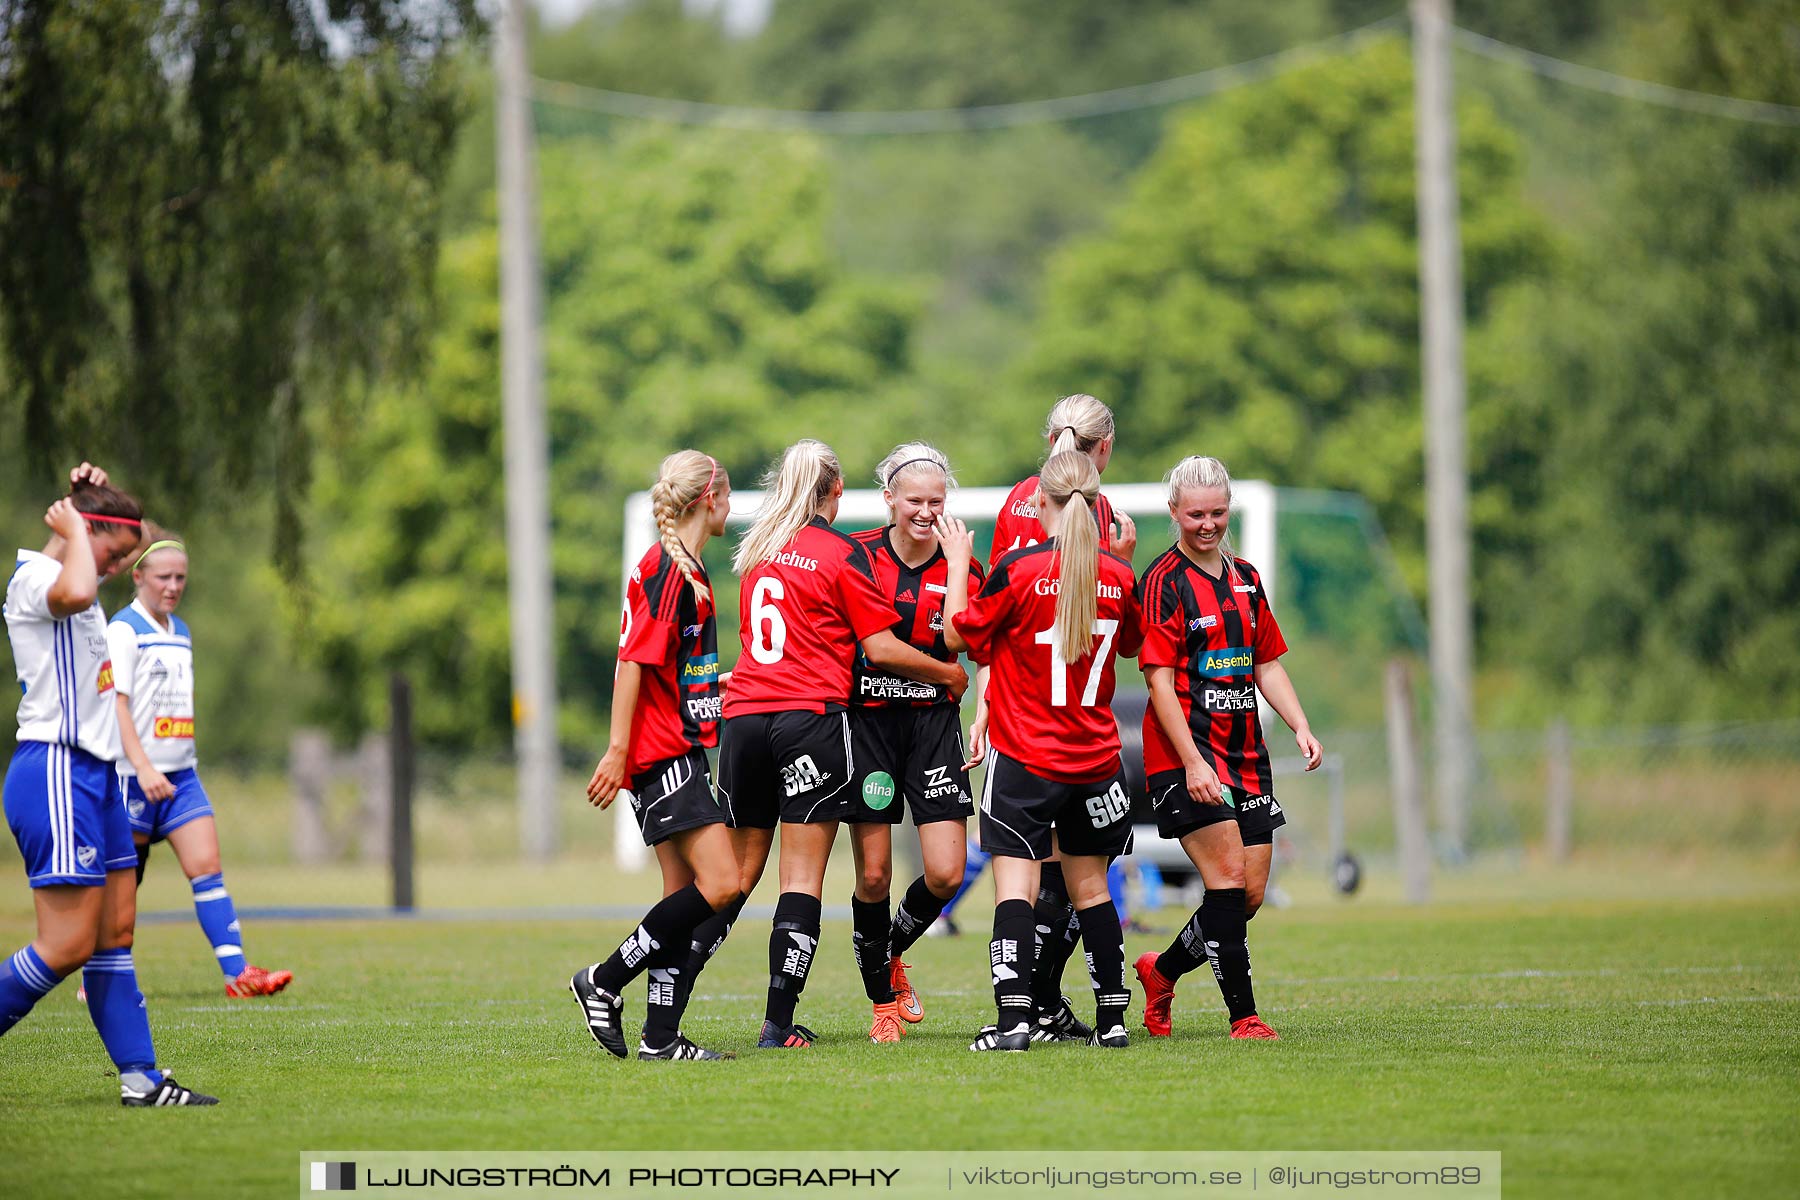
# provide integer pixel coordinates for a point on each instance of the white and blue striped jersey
(63, 665)
(154, 667)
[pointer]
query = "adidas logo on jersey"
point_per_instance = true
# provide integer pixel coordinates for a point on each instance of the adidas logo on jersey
(906, 597)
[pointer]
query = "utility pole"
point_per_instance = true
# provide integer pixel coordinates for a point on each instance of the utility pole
(527, 476)
(1446, 465)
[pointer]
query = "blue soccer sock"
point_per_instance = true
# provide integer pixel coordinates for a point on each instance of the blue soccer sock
(117, 1008)
(219, 920)
(24, 979)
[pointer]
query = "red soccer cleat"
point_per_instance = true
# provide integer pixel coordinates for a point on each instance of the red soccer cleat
(1252, 1028)
(1159, 993)
(911, 1010)
(254, 981)
(886, 1025)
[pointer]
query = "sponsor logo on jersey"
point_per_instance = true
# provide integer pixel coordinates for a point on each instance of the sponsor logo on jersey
(1051, 587)
(939, 588)
(892, 687)
(1232, 660)
(1243, 587)
(906, 597)
(938, 783)
(173, 727)
(105, 682)
(691, 630)
(1229, 699)
(1206, 622)
(705, 708)
(802, 775)
(787, 558)
(878, 790)
(1024, 508)
(702, 668)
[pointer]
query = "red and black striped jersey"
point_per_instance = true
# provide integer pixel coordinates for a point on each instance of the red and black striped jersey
(801, 615)
(917, 594)
(671, 632)
(1055, 718)
(1018, 526)
(1213, 632)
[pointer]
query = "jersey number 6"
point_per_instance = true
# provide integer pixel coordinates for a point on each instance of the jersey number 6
(1059, 670)
(768, 632)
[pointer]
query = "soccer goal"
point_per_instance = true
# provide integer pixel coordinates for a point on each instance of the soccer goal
(1253, 501)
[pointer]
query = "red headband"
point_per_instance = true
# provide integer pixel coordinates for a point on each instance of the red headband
(131, 521)
(707, 490)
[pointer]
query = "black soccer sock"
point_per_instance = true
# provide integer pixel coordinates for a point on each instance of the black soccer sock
(1105, 941)
(1057, 932)
(1011, 954)
(709, 935)
(664, 998)
(918, 909)
(869, 924)
(670, 923)
(791, 945)
(1223, 921)
(1187, 951)
(143, 860)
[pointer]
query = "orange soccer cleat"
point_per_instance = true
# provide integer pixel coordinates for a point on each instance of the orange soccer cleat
(254, 981)
(1159, 994)
(886, 1025)
(1252, 1027)
(910, 1009)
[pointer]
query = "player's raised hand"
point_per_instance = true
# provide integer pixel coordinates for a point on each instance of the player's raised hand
(958, 543)
(1124, 542)
(65, 520)
(608, 778)
(89, 473)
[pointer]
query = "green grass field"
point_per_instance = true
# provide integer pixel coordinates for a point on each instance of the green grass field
(1642, 1045)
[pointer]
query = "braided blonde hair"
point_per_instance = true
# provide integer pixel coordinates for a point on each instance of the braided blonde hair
(793, 492)
(1078, 422)
(684, 479)
(1071, 481)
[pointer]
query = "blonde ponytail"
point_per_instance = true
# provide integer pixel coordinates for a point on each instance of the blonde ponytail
(683, 480)
(1070, 481)
(1078, 422)
(793, 492)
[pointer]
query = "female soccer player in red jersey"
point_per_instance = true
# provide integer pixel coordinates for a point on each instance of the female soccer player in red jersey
(1211, 643)
(907, 741)
(807, 599)
(1076, 423)
(1049, 624)
(665, 712)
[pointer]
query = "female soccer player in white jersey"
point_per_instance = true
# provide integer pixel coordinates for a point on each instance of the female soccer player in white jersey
(1049, 624)
(665, 713)
(1211, 645)
(61, 802)
(1082, 424)
(807, 598)
(158, 778)
(907, 742)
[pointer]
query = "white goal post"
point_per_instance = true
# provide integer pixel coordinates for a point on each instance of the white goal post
(1147, 503)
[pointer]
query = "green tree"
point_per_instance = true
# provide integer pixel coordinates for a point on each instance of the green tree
(1256, 296)
(216, 216)
(690, 301)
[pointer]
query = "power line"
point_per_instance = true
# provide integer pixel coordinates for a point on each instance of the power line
(1733, 107)
(1139, 96)
(959, 120)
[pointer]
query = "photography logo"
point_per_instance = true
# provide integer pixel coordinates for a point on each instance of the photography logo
(334, 1177)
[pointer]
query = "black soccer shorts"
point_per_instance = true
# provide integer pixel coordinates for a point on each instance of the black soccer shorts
(910, 755)
(1019, 810)
(785, 766)
(674, 795)
(1178, 814)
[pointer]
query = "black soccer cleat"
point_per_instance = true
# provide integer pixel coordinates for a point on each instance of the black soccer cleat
(602, 1011)
(1113, 1039)
(1061, 1026)
(1014, 1040)
(167, 1094)
(680, 1050)
(794, 1037)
